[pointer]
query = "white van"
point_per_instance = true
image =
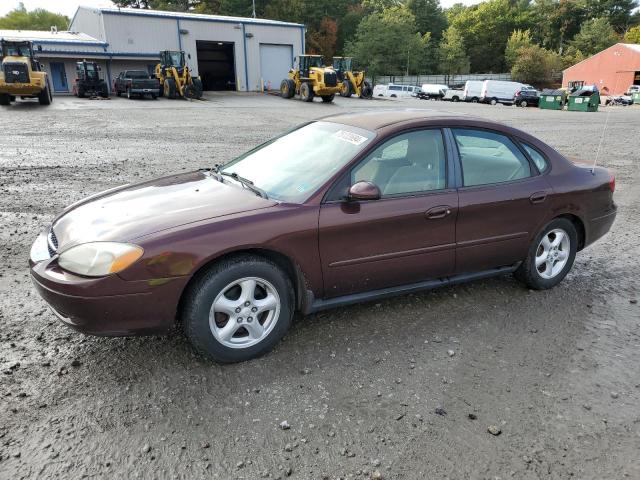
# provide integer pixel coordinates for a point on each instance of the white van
(430, 91)
(499, 91)
(472, 91)
(395, 91)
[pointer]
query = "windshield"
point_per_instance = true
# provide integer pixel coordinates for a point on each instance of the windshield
(176, 59)
(291, 167)
(17, 51)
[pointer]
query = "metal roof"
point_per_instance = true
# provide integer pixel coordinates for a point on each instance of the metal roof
(191, 16)
(63, 38)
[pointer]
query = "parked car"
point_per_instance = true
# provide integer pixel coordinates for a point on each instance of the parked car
(619, 100)
(136, 83)
(499, 91)
(526, 97)
(472, 91)
(350, 208)
(430, 91)
(632, 89)
(395, 91)
(453, 95)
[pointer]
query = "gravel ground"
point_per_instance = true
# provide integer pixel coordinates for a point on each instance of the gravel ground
(405, 388)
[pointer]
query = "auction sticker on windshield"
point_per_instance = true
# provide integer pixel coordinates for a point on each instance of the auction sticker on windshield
(350, 137)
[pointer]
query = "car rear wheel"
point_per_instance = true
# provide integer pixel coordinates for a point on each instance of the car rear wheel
(550, 256)
(328, 98)
(523, 103)
(5, 99)
(493, 101)
(239, 309)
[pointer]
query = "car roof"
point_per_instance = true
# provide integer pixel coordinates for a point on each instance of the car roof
(375, 120)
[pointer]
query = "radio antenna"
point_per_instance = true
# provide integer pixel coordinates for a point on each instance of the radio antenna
(618, 54)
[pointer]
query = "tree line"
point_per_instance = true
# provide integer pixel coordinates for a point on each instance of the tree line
(533, 39)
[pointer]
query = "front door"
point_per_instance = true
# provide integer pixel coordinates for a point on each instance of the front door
(406, 236)
(503, 201)
(59, 77)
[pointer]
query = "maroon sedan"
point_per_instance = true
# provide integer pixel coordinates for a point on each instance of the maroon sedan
(347, 209)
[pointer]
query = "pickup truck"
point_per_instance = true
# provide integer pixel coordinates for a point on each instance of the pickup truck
(136, 83)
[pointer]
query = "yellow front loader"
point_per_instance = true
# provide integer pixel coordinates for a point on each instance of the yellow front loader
(353, 83)
(22, 75)
(311, 79)
(175, 77)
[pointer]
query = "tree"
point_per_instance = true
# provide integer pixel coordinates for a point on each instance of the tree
(453, 58)
(429, 17)
(387, 43)
(535, 65)
(617, 12)
(38, 19)
(594, 36)
(632, 35)
(517, 40)
(131, 3)
(323, 40)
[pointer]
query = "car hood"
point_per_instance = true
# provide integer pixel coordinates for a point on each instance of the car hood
(131, 211)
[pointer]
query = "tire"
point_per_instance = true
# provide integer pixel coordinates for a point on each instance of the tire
(5, 99)
(203, 324)
(493, 101)
(474, 100)
(170, 88)
(366, 92)
(455, 99)
(104, 91)
(306, 92)
(154, 96)
(118, 93)
(287, 88)
(346, 91)
(81, 91)
(197, 88)
(534, 276)
(45, 95)
(328, 98)
(189, 92)
(524, 104)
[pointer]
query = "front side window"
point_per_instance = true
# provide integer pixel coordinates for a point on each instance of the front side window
(489, 157)
(412, 162)
(291, 167)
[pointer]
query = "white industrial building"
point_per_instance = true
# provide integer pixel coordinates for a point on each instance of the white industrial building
(229, 53)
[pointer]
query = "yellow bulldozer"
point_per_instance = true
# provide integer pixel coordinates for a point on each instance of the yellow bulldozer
(353, 83)
(22, 75)
(176, 80)
(310, 79)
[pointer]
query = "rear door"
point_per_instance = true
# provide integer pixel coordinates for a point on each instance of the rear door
(502, 201)
(406, 236)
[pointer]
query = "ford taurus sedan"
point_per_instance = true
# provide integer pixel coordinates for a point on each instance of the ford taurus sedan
(350, 208)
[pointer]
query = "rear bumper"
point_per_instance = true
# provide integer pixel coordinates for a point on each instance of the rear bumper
(148, 91)
(108, 306)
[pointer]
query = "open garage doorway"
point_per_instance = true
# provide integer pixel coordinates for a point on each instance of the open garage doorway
(216, 65)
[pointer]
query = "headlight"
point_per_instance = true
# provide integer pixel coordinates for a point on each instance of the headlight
(99, 258)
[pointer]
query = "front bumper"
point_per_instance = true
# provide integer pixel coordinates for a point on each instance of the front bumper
(21, 89)
(108, 306)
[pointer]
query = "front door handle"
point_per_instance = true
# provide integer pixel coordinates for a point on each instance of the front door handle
(538, 197)
(440, 211)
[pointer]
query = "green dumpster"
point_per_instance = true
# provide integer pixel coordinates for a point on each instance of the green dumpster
(552, 100)
(584, 101)
(636, 98)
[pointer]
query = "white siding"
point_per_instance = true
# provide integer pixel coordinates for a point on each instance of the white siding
(89, 21)
(141, 35)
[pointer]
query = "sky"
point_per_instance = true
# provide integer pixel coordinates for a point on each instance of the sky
(68, 7)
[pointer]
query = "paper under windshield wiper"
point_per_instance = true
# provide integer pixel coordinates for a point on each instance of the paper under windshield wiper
(245, 182)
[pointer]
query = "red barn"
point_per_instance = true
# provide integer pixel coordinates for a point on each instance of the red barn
(612, 70)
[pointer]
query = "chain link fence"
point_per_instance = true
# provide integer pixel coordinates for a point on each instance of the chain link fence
(451, 80)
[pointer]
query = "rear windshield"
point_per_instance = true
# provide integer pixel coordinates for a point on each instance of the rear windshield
(137, 74)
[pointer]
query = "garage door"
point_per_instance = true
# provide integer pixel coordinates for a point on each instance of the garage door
(275, 62)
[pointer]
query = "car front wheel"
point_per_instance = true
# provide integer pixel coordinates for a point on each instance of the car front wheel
(239, 309)
(550, 256)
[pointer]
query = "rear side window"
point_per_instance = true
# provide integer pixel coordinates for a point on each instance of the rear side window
(541, 162)
(489, 157)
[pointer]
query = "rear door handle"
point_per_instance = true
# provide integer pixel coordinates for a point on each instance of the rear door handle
(440, 211)
(538, 197)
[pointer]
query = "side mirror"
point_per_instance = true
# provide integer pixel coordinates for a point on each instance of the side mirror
(364, 191)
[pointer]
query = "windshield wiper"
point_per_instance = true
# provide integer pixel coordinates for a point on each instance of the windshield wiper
(245, 182)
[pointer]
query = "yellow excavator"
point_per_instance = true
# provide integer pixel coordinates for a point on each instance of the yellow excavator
(175, 77)
(353, 83)
(22, 75)
(311, 79)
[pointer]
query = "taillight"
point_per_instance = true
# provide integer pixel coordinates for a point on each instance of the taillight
(517, 93)
(612, 182)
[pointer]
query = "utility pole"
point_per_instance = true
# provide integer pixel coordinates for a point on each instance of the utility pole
(408, 50)
(253, 2)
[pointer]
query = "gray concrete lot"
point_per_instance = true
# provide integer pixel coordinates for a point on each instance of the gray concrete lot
(556, 371)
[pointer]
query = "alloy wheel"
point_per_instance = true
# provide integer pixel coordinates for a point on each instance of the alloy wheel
(552, 253)
(245, 312)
